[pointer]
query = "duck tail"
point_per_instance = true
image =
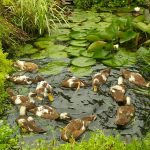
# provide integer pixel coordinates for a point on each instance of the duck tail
(148, 84)
(10, 92)
(39, 130)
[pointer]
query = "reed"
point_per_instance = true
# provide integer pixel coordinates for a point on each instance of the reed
(36, 16)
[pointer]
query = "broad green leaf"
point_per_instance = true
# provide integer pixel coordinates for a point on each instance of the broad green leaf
(141, 52)
(54, 67)
(93, 38)
(43, 44)
(83, 61)
(87, 54)
(26, 50)
(58, 55)
(74, 50)
(121, 58)
(81, 71)
(143, 27)
(63, 38)
(127, 36)
(139, 18)
(81, 43)
(96, 45)
(78, 35)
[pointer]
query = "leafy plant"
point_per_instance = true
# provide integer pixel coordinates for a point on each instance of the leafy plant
(33, 16)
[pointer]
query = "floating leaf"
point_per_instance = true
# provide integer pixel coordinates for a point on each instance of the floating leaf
(80, 71)
(83, 61)
(78, 35)
(127, 36)
(43, 44)
(54, 67)
(93, 38)
(26, 50)
(74, 50)
(62, 38)
(96, 45)
(87, 54)
(58, 55)
(143, 27)
(121, 58)
(81, 43)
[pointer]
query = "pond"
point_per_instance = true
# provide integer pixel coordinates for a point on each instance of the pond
(73, 51)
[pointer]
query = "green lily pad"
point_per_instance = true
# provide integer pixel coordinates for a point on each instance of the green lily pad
(81, 43)
(96, 45)
(121, 58)
(143, 27)
(78, 35)
(43, 44)
(58, 55)
(54, 67)
(87, 54)
(92, 38)
(26, 50)
(62, 38)
(63, 31)
(127, 36)
(83, 61)
(74, 50)
(80, 71)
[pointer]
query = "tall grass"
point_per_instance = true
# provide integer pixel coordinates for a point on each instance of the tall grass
(36, 16)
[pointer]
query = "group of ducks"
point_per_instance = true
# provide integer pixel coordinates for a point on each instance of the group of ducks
(75, 127)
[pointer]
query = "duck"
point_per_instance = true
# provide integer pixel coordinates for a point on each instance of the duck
(125, 114)
(135, 78)
(73, 82)
(27, 123)
(118, 92)
(26, 66)
(48, 112)
(44, 89)
(24, 79)
(76, 128)
(100, 78)
(22, 99)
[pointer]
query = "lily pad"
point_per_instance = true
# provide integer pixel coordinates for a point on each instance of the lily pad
(83, 61)
(74, 50)
(78, 35)
(143, 27)
(62, 38)
(54, 67)
(81, 43)
(121, 58)
(58, 55)
(80, 71)
(87, 54)
(26, 50)
(96, 45)
(43, 44)
(127, 36)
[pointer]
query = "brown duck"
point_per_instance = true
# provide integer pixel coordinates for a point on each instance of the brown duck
(124, 114)
(76, 128)
(73, 82)
(21, 99)
(118, 92)
(135, 78)
(48, 112)
(100, 78)
(27, 66)
(44, 89)
(24, 79)
(27, 123)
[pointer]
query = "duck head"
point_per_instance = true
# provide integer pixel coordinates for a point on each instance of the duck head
(87, 120)
(65, 116)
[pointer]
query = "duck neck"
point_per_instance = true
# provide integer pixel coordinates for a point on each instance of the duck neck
(22, 110)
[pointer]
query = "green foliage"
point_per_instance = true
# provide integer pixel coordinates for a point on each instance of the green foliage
(7, 140)
(33, 16)
(5, 68)
(84, 3)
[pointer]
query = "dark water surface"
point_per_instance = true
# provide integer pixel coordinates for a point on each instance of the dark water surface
(82, 103)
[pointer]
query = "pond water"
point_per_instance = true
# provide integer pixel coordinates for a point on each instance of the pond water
(82, 103)
(63, 55)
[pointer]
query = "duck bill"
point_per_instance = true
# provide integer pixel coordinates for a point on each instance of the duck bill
(50, 97)
(39, 98)
(95, 88)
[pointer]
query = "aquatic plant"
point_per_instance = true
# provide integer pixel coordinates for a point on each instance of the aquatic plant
(34, 16)
(7, 139)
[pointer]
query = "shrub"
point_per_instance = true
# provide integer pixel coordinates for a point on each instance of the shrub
(7, 140)
(5, 68)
